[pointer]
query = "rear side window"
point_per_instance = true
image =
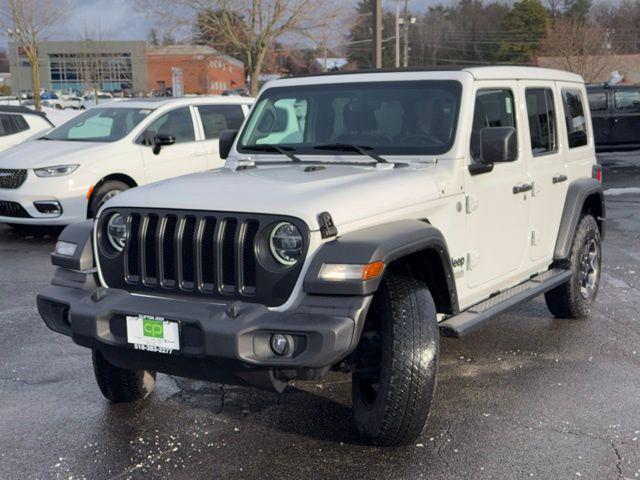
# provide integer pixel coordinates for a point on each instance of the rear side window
(493, 108)
(542, 120)
(627, 100)
(216, 118)
(12, 124)
(574, 117)
(597, 101)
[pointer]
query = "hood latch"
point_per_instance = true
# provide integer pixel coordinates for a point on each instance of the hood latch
(327, 227)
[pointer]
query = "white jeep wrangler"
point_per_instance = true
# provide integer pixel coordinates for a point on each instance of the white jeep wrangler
(358, 217)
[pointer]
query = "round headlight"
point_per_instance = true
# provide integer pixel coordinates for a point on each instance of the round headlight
(117, 231)
(286, 243)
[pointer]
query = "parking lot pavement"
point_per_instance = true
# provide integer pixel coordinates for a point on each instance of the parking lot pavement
(526, 397)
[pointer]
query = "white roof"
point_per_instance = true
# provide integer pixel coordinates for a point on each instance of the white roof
(157, 102)
(440, 73)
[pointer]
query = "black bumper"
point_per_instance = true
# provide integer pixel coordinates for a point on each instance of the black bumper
(218, 342)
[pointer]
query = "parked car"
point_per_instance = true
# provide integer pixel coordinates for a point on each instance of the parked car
(398, 204)
(19, 124)
(50, 99)
(615, 112)
(90, 100)
(67, 175)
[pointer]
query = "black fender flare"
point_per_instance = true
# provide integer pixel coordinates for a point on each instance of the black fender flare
(387, 242)
(80, 234)
(578, 192)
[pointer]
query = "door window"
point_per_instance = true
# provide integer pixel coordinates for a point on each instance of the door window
(574, 117)
(597, 101)
(216, 118)
(493, 108)
(542, 120)
(627, 100)
(175, 123)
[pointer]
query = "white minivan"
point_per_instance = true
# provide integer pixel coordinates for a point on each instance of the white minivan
(67, 175)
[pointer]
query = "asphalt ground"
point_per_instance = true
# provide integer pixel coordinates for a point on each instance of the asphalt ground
(525, 397)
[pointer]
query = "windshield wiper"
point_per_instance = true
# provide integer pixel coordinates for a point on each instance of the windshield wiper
(267, 147)
(348, 147)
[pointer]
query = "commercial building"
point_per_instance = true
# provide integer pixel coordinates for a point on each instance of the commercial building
(126, 65)
(204, 70)
(79, 65)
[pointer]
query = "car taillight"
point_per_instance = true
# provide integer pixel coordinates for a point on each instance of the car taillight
(597, 173)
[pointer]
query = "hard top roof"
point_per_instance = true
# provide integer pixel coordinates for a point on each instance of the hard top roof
(482, 72)
(157, 102)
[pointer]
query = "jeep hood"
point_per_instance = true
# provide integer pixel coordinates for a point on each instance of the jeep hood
(348, 193)
(46, 153)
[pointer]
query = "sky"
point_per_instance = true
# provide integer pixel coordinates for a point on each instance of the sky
(120, 20)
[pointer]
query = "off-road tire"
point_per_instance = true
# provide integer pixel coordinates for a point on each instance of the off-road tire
(400, 339)
(102, 193)
(566, 300)
(119, 385)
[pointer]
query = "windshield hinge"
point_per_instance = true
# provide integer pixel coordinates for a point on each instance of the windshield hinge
(327, 227)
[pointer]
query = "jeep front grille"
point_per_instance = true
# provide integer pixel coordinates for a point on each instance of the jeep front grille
(205, 254)
(12, 179)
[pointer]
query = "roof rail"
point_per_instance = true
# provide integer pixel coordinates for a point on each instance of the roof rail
(23, 109)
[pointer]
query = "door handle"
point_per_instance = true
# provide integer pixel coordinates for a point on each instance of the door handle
(522, 187)
(559, 179)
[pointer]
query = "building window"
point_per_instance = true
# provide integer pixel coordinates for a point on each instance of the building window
(85, 71)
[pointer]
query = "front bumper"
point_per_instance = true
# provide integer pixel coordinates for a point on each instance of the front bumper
(218, 341)
(65, 190)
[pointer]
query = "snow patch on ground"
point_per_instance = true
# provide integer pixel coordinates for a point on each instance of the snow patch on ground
(622, 191)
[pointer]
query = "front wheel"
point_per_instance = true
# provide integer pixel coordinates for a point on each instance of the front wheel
(395, 376)
(103, 193)
(573, 299)
(120, 385)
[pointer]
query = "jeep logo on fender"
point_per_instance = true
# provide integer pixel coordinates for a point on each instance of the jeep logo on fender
(153, 328)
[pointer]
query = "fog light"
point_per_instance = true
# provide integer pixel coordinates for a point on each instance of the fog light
(281, 344)
(48, 207)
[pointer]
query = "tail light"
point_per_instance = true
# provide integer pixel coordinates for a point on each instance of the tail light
(596, 172)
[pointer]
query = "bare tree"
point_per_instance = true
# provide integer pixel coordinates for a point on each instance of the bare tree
(253, 27)
(578, 47)
(29, 21)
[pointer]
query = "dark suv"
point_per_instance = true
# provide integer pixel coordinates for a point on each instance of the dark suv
(615, 113)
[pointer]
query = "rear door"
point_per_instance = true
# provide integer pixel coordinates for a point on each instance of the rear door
(186, 155)
(625, 116)
(213, 119)
(599, 104)
(547, 167)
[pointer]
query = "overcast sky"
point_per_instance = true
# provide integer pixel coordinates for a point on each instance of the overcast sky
(119, 20)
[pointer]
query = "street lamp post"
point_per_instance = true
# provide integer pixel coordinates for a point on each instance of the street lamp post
(13, 34)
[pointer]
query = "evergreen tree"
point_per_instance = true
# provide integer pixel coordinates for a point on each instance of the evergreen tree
(524, 28)
(360, 40)
(154, 40)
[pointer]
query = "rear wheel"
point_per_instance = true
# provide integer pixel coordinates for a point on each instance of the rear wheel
(104, 192)
(120, 385)
(395, 376)
(573, 299)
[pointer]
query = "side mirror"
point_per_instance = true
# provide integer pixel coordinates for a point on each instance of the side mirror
(498, 144)
(227, 137)
(160, 141)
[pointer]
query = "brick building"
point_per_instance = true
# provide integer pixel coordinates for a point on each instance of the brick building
(204, 70)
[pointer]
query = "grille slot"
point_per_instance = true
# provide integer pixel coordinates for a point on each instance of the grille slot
(13, 209)
(189, 253)
(12, 179)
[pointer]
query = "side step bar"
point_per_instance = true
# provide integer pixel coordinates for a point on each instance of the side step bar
(475, 316)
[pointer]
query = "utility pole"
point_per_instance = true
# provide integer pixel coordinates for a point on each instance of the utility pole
(377, 33)
(407, 22)
(397, 33)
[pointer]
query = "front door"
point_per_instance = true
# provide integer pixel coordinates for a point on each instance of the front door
(186, 155)
(497, 201)
(547, 167)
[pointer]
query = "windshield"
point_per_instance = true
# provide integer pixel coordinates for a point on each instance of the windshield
(99, 125)
(401, 118)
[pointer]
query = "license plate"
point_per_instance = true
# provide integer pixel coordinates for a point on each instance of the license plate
(153, 334)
